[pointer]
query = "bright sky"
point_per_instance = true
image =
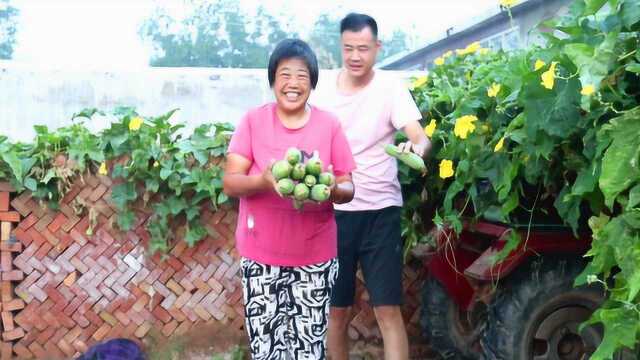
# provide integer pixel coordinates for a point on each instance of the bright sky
(104, 33)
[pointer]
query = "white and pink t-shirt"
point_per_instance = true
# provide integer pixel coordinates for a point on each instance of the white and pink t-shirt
(370, 119)
(270, 230)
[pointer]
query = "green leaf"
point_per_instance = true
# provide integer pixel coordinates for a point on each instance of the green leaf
(87, 113)
(587, 180)
(195, 234)
(593, 6)
(630, 13)
(152, 185)
(165, 173)
(126, 220)
(634, 197)
(593, 63)
(633, 67)
(31, 184)
(48, 176)
(621, 326)
(122, 194)
(222, 198)
(620, 162)
(568, 207)
(510, 204)
(512, 243)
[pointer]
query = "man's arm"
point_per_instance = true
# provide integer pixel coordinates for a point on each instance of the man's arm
(418, 142)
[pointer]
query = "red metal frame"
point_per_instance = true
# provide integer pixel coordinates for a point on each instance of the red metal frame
(463, 261)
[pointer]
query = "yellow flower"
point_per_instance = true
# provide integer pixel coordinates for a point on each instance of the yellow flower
(464, 126)
(156, 164)
(419, 81)
(548, 77)
(588, 90)
(429, 129)
(446, 169)
(103, 169)
(447, 54)
(470, 49)
(439, 61)
(484, 51)
(508, 3)
(473, 47)
(493, 90)
(135, 123)
(499, 145)
(539, 65)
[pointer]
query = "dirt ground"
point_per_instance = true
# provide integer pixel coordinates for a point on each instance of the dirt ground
(217, 342)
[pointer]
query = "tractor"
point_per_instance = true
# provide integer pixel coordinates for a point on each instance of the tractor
(522, 307)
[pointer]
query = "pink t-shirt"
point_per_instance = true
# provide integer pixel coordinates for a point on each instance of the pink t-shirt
(270, 230)
(370, 119)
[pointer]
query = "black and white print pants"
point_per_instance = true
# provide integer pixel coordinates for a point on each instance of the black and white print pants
(287, 309)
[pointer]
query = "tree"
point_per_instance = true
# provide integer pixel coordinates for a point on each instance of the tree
(397, 44)
(216, 33)
(7, 29)
(324, 39)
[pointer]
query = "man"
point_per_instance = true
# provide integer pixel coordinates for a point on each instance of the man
(371, 105)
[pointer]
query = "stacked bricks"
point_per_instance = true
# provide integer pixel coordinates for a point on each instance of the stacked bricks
(9, 305)
(73, 279)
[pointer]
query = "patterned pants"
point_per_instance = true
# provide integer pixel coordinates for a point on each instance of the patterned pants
(287, 309)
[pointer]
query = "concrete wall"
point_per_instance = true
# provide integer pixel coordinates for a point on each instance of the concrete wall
(31, 95)
(39, 95)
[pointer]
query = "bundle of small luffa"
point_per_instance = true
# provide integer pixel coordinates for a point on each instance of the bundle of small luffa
(302, 181)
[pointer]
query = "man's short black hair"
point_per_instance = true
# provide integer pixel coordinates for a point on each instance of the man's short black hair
(356, 22)
(293, 48)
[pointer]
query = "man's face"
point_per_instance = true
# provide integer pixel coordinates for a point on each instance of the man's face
(359, 51)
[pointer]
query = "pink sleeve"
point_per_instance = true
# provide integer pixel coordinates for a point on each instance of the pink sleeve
(241, 140)
(341, 156)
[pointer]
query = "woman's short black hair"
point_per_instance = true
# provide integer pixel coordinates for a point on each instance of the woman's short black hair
(293, 48)
(356, 22)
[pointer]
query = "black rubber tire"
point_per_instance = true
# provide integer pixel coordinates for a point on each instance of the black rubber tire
(437, 319)
(529, 296)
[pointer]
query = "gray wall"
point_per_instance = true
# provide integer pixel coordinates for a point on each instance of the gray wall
(48, 96)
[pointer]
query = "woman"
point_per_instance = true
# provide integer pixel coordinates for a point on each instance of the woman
(288, 256)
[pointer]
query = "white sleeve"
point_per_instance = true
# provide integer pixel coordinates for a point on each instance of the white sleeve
(403, 108)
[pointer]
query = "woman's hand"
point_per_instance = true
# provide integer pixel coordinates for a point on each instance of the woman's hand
(342, 189)
(268, 180)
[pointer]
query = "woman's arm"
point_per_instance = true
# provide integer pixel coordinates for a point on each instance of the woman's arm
(343, 190)
(236, 182)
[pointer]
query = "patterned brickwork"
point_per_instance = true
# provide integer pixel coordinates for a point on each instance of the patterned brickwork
(70, 278)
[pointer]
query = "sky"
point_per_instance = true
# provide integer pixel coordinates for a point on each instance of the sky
(103, 34)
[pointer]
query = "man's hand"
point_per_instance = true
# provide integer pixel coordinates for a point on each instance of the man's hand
(422, 148)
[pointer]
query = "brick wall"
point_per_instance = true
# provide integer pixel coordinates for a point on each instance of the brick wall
(63, 290)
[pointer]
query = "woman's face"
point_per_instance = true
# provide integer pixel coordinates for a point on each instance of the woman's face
(292, 84)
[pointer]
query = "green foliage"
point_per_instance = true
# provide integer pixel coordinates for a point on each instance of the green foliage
(152, 164)
(568, 151)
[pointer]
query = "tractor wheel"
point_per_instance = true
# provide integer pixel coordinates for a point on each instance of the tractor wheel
(451, 332)
(537, 313)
